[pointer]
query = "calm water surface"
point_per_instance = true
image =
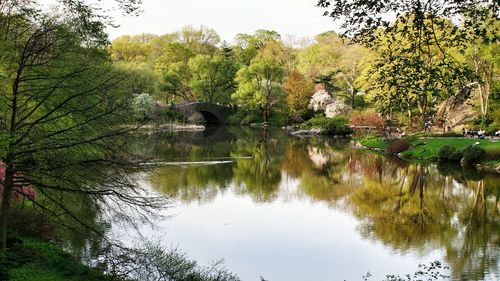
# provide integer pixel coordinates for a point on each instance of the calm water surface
(287, 208)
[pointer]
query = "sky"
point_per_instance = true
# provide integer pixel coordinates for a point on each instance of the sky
(228, 17)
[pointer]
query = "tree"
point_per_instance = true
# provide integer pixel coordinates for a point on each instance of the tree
(284, 54)
(418, 61)
(362, 19)
(337, 107)
(484, 59)
(320, 100)
(176, 81)
(173, 53)
(212, 78)
(130, 49)
(350, 66)
(335, 62)
(298, 91)
(259, 85)
(409, 75)
(247, 46)
(63, 107)
(202, 40)
(172, 66)
(142, 78)
(321, 57)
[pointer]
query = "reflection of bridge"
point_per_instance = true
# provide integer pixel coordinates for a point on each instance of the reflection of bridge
(211, 112)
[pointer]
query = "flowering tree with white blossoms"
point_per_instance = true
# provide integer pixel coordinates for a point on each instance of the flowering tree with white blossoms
(337, 107)
(322, 100)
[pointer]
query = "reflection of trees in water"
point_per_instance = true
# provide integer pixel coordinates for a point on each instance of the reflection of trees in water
(259, 176)
(475, 248)
(198, 183)
(416, 208)
(409, 207)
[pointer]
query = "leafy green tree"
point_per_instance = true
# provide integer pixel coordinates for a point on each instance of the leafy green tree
(63, 107)
(175, 81)
(130, 48)
(417, 65)
(212, 78)
(363, 19)
(142, 79)
(247, 46)
(321, 57)
(409, 75)
(174, 52)
(284, 54)
(259, 85)
(335, 62)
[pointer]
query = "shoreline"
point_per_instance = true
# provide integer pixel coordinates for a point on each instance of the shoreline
(427, 150)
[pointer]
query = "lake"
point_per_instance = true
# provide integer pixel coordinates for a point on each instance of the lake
(286, 208)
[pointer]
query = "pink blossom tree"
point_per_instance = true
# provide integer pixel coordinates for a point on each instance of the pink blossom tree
(21, 190)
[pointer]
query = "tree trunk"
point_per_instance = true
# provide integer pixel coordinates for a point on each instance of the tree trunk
(5, 206)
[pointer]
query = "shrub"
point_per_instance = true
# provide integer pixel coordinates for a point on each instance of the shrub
(398, 146)
(330, 126)
(449, 153)
(144, 107)
(473, 154)
(359, 101)
(493, 155)
(168, 114)
(337, 126)
(315, 122)
(244, 117)
(367, 119)
(448, 135)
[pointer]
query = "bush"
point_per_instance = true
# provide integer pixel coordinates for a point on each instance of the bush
(331, 126)
(359, 101)
(168, 114)
(367, 119)
(144, 107)
(316, 122)
(493, 155)
(473, 154)
(244, 117)
(449, 153)
(398, 146)
(448, 135)
(337, 126)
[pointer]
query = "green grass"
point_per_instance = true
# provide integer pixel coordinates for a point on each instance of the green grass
(428, 149)
(375, 143)
(35, 260)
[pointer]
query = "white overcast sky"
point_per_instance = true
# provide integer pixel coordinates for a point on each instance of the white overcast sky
(228, 17)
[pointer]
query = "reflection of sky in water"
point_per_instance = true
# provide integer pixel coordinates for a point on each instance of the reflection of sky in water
(314, 210)
(290, 238)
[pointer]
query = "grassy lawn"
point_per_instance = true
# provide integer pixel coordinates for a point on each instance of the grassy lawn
(35, 260)
(428, 148)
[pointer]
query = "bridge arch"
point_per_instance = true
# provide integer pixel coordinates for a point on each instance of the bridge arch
(211, 112)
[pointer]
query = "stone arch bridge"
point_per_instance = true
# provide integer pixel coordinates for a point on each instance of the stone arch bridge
(211, 112)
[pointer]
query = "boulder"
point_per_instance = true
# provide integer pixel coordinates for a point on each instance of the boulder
(458, 109)
(306, 132)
